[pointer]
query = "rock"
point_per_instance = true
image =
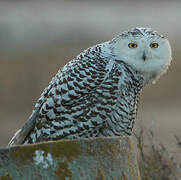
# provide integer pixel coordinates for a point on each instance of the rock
(105, 158)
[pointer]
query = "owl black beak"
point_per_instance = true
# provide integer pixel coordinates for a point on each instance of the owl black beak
(144, 56)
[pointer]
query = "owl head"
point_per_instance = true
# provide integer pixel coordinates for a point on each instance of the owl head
(145, 50)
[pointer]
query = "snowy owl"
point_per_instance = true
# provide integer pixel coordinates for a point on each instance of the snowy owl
(96, 94)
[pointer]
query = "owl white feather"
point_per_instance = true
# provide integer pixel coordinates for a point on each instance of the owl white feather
(96, 94)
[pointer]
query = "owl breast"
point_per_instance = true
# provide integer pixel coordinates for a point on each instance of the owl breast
(125, 86)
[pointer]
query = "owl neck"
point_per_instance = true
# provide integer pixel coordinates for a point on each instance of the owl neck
(133, 78)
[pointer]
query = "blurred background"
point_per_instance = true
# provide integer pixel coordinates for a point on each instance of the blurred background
(39, 37)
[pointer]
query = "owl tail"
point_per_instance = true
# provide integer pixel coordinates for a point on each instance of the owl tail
(15, 138)
(22, 133)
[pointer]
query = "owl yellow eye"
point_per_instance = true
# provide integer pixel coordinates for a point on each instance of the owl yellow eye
(154, 45)
(132, 45)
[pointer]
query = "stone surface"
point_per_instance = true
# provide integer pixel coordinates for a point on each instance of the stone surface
(110, 158)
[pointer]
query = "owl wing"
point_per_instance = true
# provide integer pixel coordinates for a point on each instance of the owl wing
(72, 85)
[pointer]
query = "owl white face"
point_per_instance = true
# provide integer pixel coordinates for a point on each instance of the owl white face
(145, 50)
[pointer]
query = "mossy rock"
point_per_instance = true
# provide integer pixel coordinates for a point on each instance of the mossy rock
(105, 158)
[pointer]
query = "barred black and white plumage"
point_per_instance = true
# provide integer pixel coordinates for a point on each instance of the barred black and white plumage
(95, 94)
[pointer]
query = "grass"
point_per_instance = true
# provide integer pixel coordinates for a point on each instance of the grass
(154, 160)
